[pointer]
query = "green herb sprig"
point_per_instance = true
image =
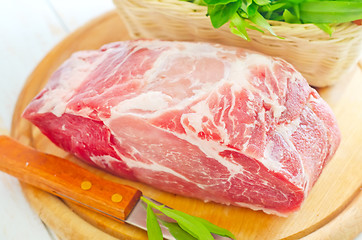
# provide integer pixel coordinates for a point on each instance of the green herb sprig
(186, 226)
(253, 14)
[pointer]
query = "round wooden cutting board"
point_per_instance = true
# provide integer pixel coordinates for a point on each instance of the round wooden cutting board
(337, 187)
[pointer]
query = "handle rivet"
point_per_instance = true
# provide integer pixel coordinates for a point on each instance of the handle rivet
(116, 198)
(86, 185)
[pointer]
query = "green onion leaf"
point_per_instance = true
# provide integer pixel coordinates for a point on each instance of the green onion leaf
(238, 27)
(219, 2)
(326, 28)
(252, 9)
(196, 227)
(330, 11)
(153, 228)
(177, 232)
(293, 1)
(297, 11)
(188, 223)
(271, 8)
(215, 229)
(239, 31)
(289, 17)
(259, 20)
(322, 13)
(221, 14)
(262, 2)
(248, 25)
(245, 5)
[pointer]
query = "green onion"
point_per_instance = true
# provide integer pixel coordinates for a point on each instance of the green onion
(153, 228)
(187, 225)
(177, 231)
(221, 14)
(326, 28)
(259, 20)
(218, 2)
(289, 17)
(253, 14)
(330, 11)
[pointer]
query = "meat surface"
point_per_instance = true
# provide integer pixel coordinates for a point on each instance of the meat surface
(212, 122)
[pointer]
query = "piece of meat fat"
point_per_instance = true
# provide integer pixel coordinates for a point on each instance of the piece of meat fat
(202, 120)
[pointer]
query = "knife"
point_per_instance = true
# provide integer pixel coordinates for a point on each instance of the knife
(68, 180)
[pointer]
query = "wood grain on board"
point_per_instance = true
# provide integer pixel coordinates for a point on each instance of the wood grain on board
(337, 187)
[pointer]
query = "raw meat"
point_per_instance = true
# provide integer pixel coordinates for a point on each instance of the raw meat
(202, 120)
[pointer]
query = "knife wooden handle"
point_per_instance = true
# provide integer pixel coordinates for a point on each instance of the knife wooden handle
(66, 179)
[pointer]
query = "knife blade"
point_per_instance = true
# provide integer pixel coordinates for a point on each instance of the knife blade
(68, 180)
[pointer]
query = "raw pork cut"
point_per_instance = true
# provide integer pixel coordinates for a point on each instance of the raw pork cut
(202, 120)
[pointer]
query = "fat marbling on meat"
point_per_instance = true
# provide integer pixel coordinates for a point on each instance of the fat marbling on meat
(202, 120)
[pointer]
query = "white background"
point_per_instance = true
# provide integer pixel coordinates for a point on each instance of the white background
(29, 29)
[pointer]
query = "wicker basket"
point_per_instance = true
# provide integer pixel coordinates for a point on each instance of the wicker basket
(321, 59)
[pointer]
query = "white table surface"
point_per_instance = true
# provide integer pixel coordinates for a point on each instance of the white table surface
(29, 29)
